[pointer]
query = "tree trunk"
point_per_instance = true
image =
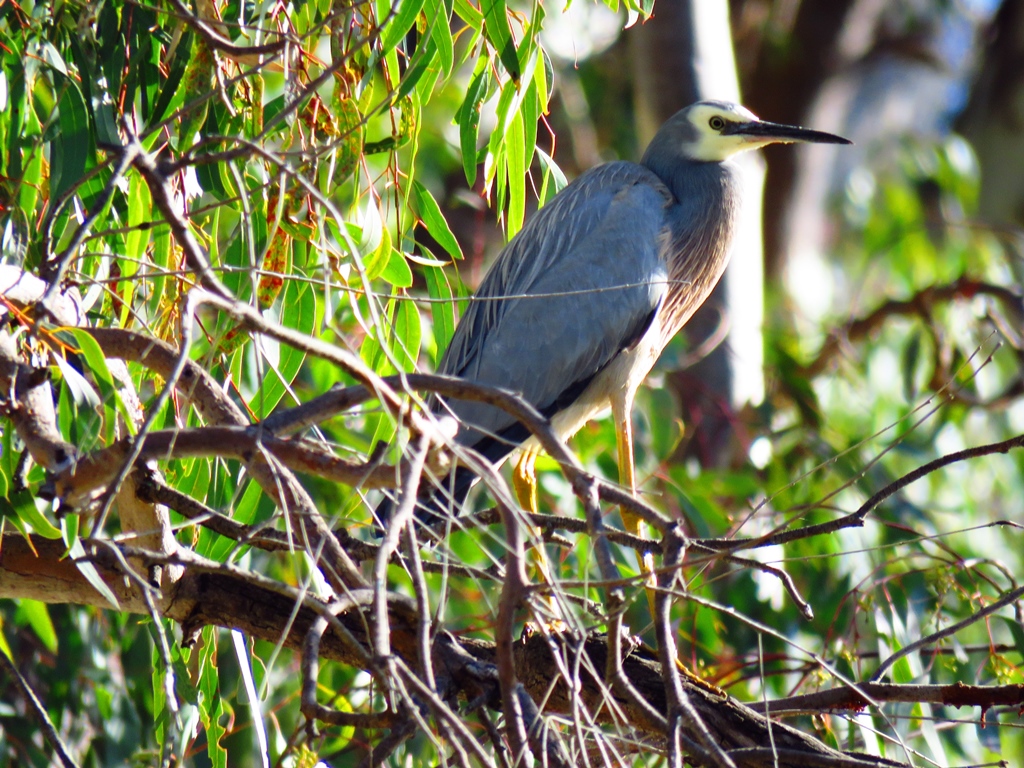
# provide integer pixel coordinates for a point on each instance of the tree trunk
(994, 119)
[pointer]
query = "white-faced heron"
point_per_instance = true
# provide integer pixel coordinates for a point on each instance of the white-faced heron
(580, 304)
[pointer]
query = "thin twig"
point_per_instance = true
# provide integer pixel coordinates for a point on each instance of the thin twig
(163, 199)
(678, 700)
(512, 593)
(39, 710)
(920, 303)
(154, 491)
(392, 536)
(53, 271)
(156, 411)
(952, 629)
(310, 706)
(220, 43)
(452, 719)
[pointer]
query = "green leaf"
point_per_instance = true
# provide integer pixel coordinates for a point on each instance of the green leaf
(171, 96)
(469, 14)
(96, 361)
(22, 506)
(350, 129)
(28, 193)
(372, 354)
(421, 64)
(94, 357)
(426, 261)
(5, 649)
(408, 334)
(376, 262)
(499, 33)
(439, 14)
(531, 116)
(515, 156)
(35, 614)
(469, 124)
(72, 144)
(69, 525)
(183, 684)
(544, 75)
(442, 309)
(139, 208)
(397, 270)
(398, 22)
(554, 180)
(302, 314)
(211, 703)
(245, 510)
(429, 211)
(88, 570)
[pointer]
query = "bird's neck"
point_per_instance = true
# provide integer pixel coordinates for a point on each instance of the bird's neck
(702, 222)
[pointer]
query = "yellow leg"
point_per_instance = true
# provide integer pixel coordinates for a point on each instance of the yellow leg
(621, 409)
(524, 480)
(627, 476)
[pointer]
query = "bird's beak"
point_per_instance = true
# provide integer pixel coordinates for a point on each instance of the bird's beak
(761, 132)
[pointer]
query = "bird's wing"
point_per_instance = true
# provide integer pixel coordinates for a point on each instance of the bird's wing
(580, 283)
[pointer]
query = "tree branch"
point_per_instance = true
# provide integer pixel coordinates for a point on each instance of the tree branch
(230, 597)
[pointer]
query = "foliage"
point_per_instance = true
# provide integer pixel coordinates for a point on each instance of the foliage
(309, 146)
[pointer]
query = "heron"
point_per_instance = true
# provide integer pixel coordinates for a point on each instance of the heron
(578, 306)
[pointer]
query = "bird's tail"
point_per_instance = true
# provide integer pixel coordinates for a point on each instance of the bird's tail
(435, 503)
(445, 499)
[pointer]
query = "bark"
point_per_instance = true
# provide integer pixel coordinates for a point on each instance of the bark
(994, 118)
(214, 594)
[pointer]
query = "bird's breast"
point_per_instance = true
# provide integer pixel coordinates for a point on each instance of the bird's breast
(618, 380)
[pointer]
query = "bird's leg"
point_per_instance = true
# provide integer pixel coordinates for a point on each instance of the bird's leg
(524, 480)
(621, 412)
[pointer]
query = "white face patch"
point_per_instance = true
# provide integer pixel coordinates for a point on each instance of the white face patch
(708, 120)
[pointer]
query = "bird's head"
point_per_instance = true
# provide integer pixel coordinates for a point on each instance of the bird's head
(713, 131)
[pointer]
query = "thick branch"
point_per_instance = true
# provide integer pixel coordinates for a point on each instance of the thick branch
(73, 485)
(226, 597)
(342, 399)
(955, 695)
(920, 303)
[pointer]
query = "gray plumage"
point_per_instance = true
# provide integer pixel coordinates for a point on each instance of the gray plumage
(578, 306)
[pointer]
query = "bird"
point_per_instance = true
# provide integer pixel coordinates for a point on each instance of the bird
(578, 306)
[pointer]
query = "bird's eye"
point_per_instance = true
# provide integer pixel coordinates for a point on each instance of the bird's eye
(716, 123)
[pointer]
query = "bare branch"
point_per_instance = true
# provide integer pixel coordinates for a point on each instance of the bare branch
(1008, 599)
(75, 484)
(402, 517)
(228, 596)
(39, 710)
(163, 199)
(218, 42)
(339, 400)
(838, 699)
(920, 303)
(54, 269)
